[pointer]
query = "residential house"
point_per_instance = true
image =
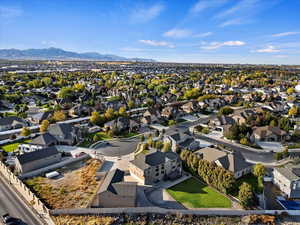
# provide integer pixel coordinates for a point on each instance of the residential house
(42, 141)
(156, 166)
(122, 124)
(114, 192)
(189, 107)
(231, 161)
(37, 159)
(37, 118)
(11, 122)
(181, 140)
(268, 133)
(221, 123)
(65, 134)
(287, 178)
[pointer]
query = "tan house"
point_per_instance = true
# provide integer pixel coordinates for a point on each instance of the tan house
(269, 133)
(156, 166)
(114, 192)
(232, 161)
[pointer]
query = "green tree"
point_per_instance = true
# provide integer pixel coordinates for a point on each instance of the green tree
(225, 110)
(122, 111)
(166, 147)
(109, 114)
(65, 92)
(96, 118)
(259, 170)
(246, 195)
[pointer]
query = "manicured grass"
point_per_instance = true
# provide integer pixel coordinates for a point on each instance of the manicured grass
(250, 179)
(195, 194)
(13, 146)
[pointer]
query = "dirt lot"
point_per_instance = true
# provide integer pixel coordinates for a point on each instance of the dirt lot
(74, 189)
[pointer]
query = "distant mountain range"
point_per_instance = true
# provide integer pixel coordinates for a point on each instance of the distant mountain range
(60, 54)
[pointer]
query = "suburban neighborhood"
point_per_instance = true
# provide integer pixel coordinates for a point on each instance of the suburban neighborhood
(151, 135)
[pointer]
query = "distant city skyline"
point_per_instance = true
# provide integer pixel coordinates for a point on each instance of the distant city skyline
(196, 31)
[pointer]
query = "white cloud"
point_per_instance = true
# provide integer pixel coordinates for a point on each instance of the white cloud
(177, 33)
(216, 45)
(281, 56)
(49, 43)
(142, 15)
(243, 12)
(201, 5)
(236, 21)
(285, 34)
(10, 12)
(268, 49)
(206, 34)
(157, 43)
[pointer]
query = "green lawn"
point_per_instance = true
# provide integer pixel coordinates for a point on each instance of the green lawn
(13, 146)
(194, 194)
(250, 179)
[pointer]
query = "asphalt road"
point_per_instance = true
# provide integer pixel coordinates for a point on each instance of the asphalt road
(11, 203)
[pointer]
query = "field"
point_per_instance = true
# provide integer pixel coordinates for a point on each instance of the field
(95, 220)
(194, 194)
(74, 190)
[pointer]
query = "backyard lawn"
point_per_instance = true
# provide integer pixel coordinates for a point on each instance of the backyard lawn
(13, 146)
(194, 194)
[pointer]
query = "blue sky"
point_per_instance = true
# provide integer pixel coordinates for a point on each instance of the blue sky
(214, 31)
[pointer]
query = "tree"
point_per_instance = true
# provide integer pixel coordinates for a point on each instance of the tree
(290, 91)
(259, 170)
(25, 131)
(225, 110)
(244, 141)
(131, 104)
(44, 126)
(122, 111)
(245, 195)
(293, 111)
(171, 122)
(65, 92)
(96, 118)
(278, 156)
(59, 116)
(109, 114)
(142, 138)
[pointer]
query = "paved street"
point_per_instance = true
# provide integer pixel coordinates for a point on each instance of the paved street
(11, 203)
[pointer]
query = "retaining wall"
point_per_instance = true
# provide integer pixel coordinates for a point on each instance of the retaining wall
(26, 193)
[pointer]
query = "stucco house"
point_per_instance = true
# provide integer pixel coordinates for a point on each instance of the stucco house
(232, 161)
(156, 166)
(287, 178)
(268, 133)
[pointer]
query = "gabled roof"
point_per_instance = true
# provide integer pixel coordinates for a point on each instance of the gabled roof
(10, 120)
(232, 161)
(44, 139)
(36, 155)
(113, 182)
